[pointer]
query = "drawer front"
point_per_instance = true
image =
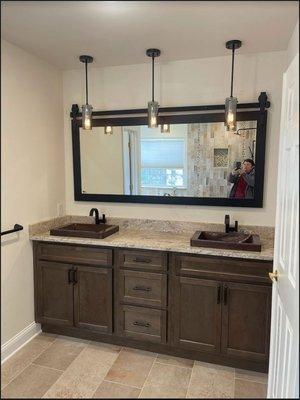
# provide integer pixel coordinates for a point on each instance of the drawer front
(142, 323)
(143, 260)
(143, 288)
(75, 254)
(222, 268)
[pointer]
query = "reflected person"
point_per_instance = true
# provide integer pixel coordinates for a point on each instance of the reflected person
(243, 181)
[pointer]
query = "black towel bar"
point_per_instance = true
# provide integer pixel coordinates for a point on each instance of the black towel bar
(17, 228)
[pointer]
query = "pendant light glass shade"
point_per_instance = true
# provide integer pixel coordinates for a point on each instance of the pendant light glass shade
(165, 128)
(152, 114)
(230, 113)
(87, 117)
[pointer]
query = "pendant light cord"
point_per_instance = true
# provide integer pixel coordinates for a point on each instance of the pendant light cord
(86, 83)
(232, 71)
(152, 78)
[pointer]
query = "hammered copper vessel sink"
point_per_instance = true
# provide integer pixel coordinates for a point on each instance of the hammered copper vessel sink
(229, 241)
(93, 231)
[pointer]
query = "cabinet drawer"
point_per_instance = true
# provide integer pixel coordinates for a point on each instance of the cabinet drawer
(143, 260)
(143, 288)
(223, 268)
(75, 254)
(142, 323)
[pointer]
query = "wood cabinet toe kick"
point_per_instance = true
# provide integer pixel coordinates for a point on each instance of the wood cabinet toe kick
(209, 308)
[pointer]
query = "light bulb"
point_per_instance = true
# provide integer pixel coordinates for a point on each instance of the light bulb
(152, 114)
(165, 128)
(230, 113)
(87, 117)
(153, 122)
(108, 129)
(230, 118)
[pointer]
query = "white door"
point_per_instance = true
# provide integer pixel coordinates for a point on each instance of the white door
(284, 348)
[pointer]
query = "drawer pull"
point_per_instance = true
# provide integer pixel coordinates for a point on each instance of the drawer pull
(141, 323)
(142, 288)
(142, 260)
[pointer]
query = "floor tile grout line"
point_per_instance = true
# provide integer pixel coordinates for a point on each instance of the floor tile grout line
(188, 386)
(122, 384)
(250, 380)
(172, 365)
(22, 370)
(46, 366)
(148, 375)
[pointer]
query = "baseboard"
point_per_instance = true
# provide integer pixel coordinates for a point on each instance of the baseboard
(19, 340)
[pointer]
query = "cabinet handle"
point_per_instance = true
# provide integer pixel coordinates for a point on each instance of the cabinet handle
(142, 288)
(225, 295)
(75, 276)
(141, 323)
(70, 276)
(219, 294)
(142, 260)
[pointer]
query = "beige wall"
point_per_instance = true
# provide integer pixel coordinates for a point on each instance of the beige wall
(189, 82)
(32, 172)
(102, 161)
(293, 47)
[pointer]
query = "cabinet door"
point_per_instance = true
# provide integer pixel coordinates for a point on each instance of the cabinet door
(246, 321)
(54, 293)
(197, 314)
(93, 298)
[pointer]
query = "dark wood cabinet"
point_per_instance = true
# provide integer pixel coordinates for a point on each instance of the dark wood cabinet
(73, 295)
(93, 298)
(197, 314)
(214, 309)
(246, 321)
(55, 294)
(227, 318)
(231, 319)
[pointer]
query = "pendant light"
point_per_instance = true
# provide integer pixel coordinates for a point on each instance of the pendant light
(108, 130)
(86, 108)
(231, 102)
(152, 105)
(165, 128)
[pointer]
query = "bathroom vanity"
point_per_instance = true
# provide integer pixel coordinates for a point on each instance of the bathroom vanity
(210, 307)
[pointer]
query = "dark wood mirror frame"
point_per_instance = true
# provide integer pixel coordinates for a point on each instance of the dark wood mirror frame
(175, 115)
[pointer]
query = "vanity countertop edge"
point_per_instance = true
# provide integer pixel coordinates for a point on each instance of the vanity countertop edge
(154, 240)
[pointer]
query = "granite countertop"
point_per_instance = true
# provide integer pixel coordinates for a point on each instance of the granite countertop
(131, 235)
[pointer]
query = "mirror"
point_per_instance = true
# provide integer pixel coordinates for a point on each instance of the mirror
(192, 160)
(197, 161)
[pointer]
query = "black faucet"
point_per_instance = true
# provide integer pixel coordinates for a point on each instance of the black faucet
(229, 228)
(97, 219)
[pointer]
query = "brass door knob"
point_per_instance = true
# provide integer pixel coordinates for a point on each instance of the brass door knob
(273, 276)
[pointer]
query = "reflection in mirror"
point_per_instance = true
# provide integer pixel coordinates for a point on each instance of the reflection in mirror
(194, 160)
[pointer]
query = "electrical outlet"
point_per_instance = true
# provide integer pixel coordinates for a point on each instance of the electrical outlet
(60, 209)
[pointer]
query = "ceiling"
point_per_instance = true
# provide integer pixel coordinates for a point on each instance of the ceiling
(119, 32)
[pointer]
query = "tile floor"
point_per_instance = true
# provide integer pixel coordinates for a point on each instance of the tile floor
(53, 366)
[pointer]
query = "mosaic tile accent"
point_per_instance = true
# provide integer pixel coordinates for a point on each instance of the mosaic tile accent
(221, 158)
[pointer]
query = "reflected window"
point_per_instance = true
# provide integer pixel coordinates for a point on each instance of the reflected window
(163, 163)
